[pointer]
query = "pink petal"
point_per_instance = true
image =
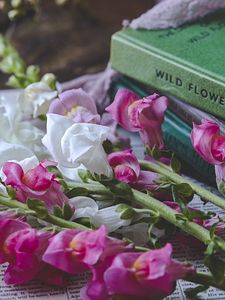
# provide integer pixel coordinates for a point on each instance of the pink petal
(147, 180)
(38, 179)
(68, 99)
(14, 173)
(218, 148)
(202, 138)
(94, 243)
(119, 108)
(125, 158)
(16, 275)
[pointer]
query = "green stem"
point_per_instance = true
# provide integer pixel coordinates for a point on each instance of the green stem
(205, 279)
(165, 212)
(169, 215)
(14, 204)
(176, 178)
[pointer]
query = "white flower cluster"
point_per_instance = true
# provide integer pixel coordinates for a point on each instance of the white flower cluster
(27, 140)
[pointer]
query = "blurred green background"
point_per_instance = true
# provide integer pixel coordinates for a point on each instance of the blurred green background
(69, 40)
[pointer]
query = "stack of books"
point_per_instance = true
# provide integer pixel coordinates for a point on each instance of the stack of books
(186, 64)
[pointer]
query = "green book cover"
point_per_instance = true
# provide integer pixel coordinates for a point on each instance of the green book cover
(187, 62)
(176, 135)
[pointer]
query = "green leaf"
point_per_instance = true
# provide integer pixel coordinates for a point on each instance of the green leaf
(221, 187)
(85, 175)
(55, 170)
(121, 189)
(78, 191)
(184, 189)
(175, 164)
(126, 212)
(57, 211)
(216, 267)
(67, 211)
(181, 218)
(11, 192)
(42, 118)
(181, 201)
(39, 207)
(200, 215)
(33, 73)
(192, 292)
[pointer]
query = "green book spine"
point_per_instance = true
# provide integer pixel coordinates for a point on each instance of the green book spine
(187, 62)
(176, 135)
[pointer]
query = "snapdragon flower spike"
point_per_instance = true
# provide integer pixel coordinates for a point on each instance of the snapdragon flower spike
(36, 183)
(96, 288)
(24, 250)
(147, 276)
(8, 226)
(77, 105)
(127, 169)
(140, 115)
(74, 251)
(208, 142)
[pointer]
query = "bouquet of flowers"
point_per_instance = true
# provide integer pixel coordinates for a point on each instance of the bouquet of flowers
(71, 189)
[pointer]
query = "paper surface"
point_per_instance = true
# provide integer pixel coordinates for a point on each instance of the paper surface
(37, 291)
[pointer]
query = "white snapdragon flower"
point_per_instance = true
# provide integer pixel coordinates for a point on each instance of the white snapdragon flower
(13, 129)
(109, 216)
(76, 145)
(16, 153)
(36, 98)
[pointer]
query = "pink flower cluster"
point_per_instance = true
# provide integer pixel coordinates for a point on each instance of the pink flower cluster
(116, 268)
(140, 115)
(36, 183)
(127, 169)
(210, 144)
(23, 247)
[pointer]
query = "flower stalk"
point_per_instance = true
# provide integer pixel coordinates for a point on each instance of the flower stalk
(162, 169)
(205, 279)
(14, 204)
(164, 211)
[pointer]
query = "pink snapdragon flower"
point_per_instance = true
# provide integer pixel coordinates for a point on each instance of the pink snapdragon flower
(147, 276)
(77, 105)
(36, 183)
(23, 250)
(127, 169)
(74, 251)
(208, 142)
(8, 226)
(140, 115)
(96, 288)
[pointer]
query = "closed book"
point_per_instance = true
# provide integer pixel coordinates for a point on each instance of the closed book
(187, 62)
(176, 136)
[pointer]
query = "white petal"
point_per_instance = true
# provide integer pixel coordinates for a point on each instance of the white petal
(110, 217)
(82, 144)
(84, 207)
(72, 173)
(36, 98)
(13, 152)
(29, 163)
(56, 127)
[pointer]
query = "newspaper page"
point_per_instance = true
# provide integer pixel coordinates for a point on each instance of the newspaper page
(182, 251)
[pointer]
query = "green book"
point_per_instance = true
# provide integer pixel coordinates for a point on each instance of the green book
(187, 62)
(177, 137)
